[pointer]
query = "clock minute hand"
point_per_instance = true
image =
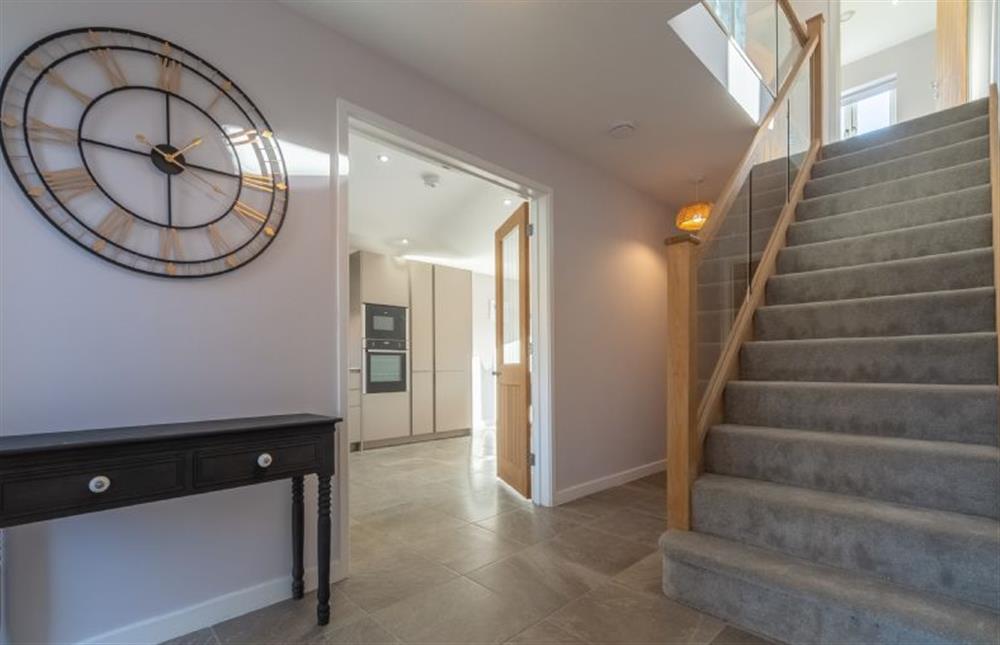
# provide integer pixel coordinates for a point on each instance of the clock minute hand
(173, 155)
(142, 139)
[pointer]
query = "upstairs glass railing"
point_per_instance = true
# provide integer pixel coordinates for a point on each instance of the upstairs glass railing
(748, 45)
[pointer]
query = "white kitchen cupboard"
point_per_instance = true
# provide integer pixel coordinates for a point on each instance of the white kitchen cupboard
(452, 349)
(385, 280)
(421, 347)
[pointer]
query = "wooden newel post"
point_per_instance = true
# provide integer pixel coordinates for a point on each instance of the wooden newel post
(682, 377)
(814, 27)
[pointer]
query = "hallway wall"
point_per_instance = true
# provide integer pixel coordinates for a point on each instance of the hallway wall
(86, 344)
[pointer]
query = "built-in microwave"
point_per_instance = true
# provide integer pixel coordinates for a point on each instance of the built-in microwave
(385, 322)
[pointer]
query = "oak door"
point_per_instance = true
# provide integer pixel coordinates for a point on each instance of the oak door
(513, 370)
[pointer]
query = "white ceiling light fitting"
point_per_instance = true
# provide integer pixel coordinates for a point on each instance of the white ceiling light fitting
(431, 180)
(622, 129)
(384, 158)
(846, 15)
(508, 202)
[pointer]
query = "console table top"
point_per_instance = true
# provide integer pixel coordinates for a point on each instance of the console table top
(47, 441)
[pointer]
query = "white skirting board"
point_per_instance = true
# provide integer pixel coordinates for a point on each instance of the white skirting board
(194, 617)
(608, 481)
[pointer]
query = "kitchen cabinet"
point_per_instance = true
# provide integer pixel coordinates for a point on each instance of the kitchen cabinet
(385, 280)
(354, 405)
(422, 347)
(422, 402)
(452, 349)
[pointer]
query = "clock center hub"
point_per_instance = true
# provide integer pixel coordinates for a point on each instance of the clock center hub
(158, 155)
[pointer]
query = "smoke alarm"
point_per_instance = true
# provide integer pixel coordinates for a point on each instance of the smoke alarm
(431, 180)
(622, 130)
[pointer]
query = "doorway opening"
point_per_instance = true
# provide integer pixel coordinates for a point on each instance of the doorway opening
(445, 342)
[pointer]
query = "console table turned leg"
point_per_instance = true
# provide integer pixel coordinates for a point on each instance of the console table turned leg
(298, 538)
(323, 551)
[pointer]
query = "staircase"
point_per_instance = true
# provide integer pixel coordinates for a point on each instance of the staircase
(852, 494)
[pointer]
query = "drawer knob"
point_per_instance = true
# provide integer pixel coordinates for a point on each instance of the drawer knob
(265, 459)
(99, 484)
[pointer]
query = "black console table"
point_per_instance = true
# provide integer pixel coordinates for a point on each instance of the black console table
(50, 475)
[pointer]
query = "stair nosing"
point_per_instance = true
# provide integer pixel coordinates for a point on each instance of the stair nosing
(855, 213)
(838, 503)
(984, 388)
(887, 297)
(978, 251)
(873, 339)
(810, 200)
(950, 448)
(872, 166)
(892, 231)
(957, 124)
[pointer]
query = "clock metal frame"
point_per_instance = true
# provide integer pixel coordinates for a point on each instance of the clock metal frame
(276, 215)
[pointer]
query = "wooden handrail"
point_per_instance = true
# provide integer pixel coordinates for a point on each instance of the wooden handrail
(688, 419)
(995, 181)
(793, 20)
(732, 187)
(727, 367)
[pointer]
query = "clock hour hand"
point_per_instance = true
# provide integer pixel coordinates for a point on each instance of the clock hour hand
(141, 138)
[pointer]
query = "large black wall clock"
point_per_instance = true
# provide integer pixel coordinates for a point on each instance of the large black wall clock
(142, 153)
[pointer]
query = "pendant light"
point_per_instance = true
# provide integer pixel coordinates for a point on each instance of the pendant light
(691, 217)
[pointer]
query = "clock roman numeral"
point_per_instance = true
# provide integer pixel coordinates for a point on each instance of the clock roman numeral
(115, 226)
(170, 248)
(169, 78)
(252, 215)
(106, 59)
(39, 130)
(69, 183)
(263, 183)
(55, 78)
(220, 245)
(9, 120)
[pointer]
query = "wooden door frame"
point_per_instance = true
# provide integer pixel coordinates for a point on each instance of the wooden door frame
(540, 249)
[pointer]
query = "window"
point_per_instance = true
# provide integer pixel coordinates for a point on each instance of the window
(868, 107)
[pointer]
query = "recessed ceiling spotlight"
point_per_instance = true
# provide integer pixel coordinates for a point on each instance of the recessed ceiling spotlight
(431, 180)
(403, 241)
(384, 158)
(622, 129)
(508, 202)
(847, 15)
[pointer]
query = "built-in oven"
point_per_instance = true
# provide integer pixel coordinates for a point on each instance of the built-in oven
(385, 368)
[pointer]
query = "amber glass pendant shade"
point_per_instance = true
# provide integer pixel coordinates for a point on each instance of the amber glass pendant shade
(693, 216)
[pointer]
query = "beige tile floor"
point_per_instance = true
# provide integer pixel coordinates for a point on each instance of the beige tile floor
(442, 553)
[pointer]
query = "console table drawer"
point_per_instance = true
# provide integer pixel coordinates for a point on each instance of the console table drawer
(225, 467)
(97, 486)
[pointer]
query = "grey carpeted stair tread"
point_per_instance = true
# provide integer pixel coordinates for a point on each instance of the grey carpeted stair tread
(961, 359)
(936, 312)
(906, 129)
(958, 413)
(954, 205)
(956, 477)
(959, 270)
(798, 601)
(962, 152)
(944, 136)
(916, 241)
(925, 184)
(933, 551)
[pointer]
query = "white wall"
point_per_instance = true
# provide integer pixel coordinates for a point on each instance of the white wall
(86, 344)
(913, 63)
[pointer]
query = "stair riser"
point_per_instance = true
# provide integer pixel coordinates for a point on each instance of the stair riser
(913, 473)
(967, 415)
(946, 237)
(965, 203)
(909, 188)
(936, 273)
(954, 155)
(942, 359)
(922, 557)
(784, 615)
(914, 145)
(907, 129)
(944, 312)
